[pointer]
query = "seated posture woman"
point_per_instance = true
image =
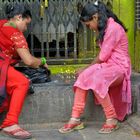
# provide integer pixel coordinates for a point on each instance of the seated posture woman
(108, 76)
(13, 84)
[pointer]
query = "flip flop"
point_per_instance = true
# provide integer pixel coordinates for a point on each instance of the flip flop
(111, 128)
(71, 127)
(13, 132)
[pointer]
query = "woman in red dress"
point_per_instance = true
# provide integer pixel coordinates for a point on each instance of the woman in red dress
(13, 84)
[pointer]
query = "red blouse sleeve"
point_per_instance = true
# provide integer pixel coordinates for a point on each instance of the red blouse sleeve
(19, 40)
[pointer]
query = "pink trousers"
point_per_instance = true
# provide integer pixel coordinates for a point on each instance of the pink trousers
(80, 101)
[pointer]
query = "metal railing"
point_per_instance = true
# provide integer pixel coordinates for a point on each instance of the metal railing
(56, 32)
(137, 17)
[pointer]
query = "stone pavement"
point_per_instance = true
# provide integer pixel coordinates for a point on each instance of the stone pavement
(50, 132)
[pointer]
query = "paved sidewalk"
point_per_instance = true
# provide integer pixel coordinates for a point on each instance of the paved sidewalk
(50, 132)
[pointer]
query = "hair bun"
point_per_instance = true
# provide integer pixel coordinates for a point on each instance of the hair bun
(9, 8)
(13, 9)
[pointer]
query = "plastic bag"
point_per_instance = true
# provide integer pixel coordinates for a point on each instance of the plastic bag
(36, 76)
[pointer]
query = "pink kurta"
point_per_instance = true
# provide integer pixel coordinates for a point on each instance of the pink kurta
(116, 62)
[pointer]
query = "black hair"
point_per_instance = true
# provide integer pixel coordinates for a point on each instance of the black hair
(103, 12)
(14, 9)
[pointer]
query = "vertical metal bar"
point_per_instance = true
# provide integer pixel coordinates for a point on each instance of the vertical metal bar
(32, 43)
(57, 33)
(46, 34)
(57, 44)
(42, 27)
(65, 23)
(47, 44)
(32, 39)
(42, 39)
(137, 17)
(75, 45)
(75, 25)
(66, 45)
(1, 9)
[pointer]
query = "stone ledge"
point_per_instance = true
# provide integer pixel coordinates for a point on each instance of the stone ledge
(52, 102)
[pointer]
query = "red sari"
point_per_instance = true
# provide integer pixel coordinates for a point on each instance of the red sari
(12, 82)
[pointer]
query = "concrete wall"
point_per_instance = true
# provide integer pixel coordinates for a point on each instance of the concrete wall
(52, 102)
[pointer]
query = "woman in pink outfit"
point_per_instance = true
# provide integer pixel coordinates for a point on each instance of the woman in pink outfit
(108, 76)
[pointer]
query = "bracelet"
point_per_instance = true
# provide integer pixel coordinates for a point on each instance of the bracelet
(43, 60)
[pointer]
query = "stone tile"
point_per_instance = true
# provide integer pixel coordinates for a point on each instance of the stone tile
(125, 132)
(49, 135)
(50, 132)
(134, 122)
(55, 135)
(2, 137)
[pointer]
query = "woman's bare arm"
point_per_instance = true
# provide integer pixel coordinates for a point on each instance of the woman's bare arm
(28, 59)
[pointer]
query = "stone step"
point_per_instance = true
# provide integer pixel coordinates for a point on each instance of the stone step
(52, 102)
(50, 132)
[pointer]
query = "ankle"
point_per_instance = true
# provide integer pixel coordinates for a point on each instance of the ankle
(111, 121)
(74, 120)
(11, 127)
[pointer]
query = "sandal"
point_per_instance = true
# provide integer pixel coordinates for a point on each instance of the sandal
(14, 132)
(71, 127)
(108, 128)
